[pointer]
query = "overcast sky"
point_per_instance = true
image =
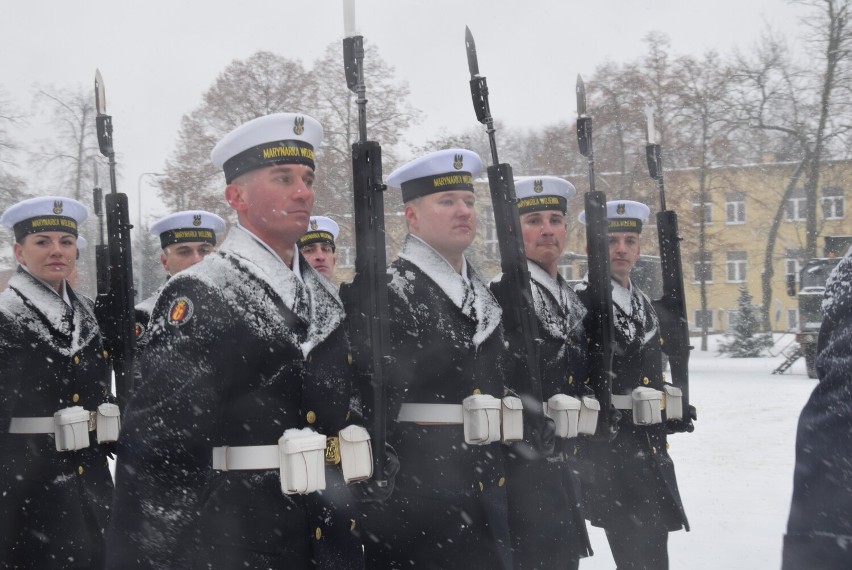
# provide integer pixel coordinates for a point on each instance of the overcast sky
(157, 57)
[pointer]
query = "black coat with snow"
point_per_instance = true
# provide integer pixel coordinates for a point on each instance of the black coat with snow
(448, 509)
(819, 530)
(236, 356)
(632, 477)
(547, 525)
(54, 506)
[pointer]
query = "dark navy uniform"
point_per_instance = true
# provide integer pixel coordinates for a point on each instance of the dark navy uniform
(54, 506)
(629, 484)
(548, 528)
(240, 350)
(448, 509)
(819, 530)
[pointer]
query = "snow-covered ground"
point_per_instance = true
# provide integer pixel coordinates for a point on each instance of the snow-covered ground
(735, 470)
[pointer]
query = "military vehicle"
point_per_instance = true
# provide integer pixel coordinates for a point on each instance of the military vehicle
(812, 280)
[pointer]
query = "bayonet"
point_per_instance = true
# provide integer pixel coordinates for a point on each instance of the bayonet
(100, 96)
(581, 96)
(472, 61)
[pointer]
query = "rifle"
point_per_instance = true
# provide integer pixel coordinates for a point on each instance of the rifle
(601, 323)
(366, 298)
(671, 307)
(514, 291)
(114, 304)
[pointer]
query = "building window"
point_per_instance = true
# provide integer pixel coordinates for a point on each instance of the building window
(735, 208)
(702, 210)
(832, 203)
(345, 256)
(792, 319)
(702, 269)
(736, 265)
(703, 317)
(793, 262)
(566, 271)
(492, 246)
(797, 207)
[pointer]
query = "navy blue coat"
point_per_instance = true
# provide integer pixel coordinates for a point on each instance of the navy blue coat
(819, 530)
(547, 526)
(448, 509)
(233, 360)
(632, 477)
(54, 506)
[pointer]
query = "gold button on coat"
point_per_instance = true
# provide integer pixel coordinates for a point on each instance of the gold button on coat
(646, 381)
(75, 398)
(318, 533)
(481, 485)
(477, 391)
(571, 379)
(76, 359)
(79, 470)
(311, 417)
(501, 482)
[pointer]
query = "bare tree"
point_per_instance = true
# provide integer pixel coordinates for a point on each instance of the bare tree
(69, 155)
(806, 104)
(267, 83)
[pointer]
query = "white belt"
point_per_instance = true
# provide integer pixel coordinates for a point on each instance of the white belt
(45, 424)
(625, 402)
(226, 458)
(431, 413)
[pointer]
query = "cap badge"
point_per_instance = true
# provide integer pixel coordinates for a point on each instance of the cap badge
(196, 220)
(620, 209)
(458, 161)
(57, 206)
(299, 125)
(314, 224)
(180, 312)
(538, 186)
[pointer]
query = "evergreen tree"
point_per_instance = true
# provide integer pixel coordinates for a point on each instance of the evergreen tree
(746, 340)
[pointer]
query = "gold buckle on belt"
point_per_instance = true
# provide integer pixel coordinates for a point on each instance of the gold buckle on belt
(93, 421)
(332, 450)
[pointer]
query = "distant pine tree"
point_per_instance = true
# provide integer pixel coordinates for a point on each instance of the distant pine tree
(746, 341)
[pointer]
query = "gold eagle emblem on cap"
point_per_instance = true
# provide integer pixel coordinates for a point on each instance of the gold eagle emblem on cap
(458, 161)
(299, 125)
(57, 206)
(196, 220)
(538, 186)
(314, 224)
(620, 209)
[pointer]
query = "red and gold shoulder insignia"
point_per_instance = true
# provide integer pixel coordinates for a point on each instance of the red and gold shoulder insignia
(140, 330)
(180, 312)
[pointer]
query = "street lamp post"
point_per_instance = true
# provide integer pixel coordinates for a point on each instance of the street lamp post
(139, 265)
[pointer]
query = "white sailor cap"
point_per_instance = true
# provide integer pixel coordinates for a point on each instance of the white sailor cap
(189, 225)
(280, 138)
(624, 215)
(44, 214)
(320, 228)
(543, 193)
(451, 169)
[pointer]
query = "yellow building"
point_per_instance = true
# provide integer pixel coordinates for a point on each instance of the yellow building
(741, 204)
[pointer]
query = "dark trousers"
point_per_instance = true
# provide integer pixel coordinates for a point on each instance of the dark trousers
(635, 548)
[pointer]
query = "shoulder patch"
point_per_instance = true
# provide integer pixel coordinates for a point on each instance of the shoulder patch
(180, 312)
(140, 329)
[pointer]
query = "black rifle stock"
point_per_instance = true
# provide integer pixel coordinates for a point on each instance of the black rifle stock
(115, 303)
(601, 323)
(671, 307)
(514, 291)
(366, 298)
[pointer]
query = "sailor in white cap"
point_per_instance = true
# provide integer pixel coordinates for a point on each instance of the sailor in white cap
(546, 522)
(186, 238)
(631, 489)
(318, 247)
(55, 486)
(246, 377)
(448, 507)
